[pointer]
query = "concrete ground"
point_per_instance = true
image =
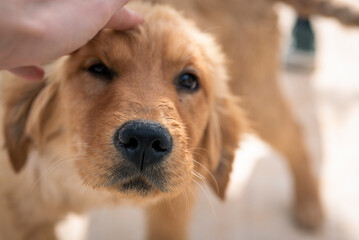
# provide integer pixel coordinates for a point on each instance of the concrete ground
(259, 196)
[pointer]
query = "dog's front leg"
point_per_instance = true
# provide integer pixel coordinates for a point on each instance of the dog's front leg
(168, 219)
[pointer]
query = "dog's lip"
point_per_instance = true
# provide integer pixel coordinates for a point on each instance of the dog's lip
(127, 176)
(137, 184)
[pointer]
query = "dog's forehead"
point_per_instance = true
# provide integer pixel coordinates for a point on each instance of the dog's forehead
(163, 36)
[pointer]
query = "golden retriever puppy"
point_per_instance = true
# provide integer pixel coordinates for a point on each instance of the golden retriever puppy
(141, 115)
(144, 115)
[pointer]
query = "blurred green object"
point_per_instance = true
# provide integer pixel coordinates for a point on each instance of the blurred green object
(303, 35)
(301, 53)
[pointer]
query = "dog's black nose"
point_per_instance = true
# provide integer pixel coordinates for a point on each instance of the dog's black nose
(143, 142)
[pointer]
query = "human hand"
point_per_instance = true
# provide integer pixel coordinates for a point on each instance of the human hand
(34, 32)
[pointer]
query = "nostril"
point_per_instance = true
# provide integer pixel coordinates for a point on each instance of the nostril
(131, 143)
(159, 146)
(143, 142)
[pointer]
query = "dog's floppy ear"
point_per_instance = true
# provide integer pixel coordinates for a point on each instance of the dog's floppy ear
(221, 141)
(24, 103)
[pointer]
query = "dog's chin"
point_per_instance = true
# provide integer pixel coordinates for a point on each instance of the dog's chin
(136, 189)
(136, 186)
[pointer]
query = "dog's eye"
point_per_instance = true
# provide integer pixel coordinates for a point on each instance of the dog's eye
(188, 81)
(101, 71)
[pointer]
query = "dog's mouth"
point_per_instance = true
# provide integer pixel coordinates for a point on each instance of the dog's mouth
(127, 179)
(138, 185)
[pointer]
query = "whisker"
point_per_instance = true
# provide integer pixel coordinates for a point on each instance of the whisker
(200, 176)
(186, 200)
(53, 167)
(193, 195)
(210, 174)
(171, 207)
(202, 149)
(207, 194)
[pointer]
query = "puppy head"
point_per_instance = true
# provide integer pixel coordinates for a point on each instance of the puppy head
(150, 108)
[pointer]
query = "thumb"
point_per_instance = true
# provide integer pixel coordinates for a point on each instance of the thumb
(32, 73)
(124, 19)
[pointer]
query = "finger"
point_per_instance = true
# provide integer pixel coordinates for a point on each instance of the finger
(119, 3)
(124, 19)
(32, 73)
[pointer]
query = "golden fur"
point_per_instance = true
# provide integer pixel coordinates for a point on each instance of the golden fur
(58, 133)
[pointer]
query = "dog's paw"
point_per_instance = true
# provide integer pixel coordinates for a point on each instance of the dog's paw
(309, 215)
